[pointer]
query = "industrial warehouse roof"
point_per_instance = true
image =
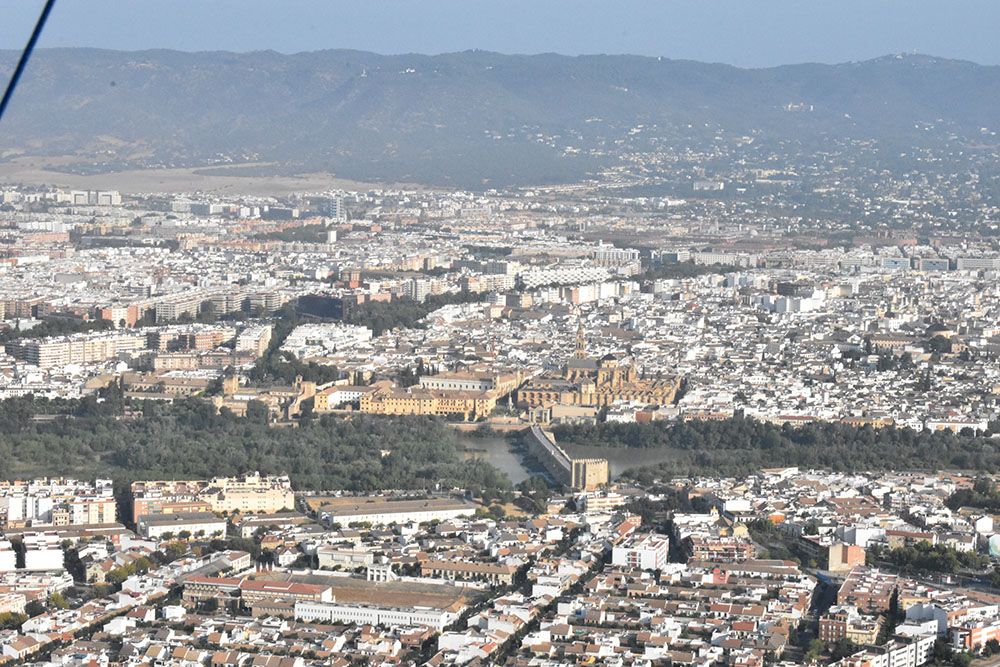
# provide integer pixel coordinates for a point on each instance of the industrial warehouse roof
(349, 506)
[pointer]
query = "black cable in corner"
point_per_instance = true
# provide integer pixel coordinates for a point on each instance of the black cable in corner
(23, 61)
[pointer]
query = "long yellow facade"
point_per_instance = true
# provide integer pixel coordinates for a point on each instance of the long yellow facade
(390, 400)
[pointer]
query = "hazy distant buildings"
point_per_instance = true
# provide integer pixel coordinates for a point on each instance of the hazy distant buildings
(611, 256)
(566, 274)
(318, 340)
(76, 349)
(91, 197)
(178, 306)
(254, 340)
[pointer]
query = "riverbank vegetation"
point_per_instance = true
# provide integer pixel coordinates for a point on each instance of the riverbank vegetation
(187, 439)
(740, 446)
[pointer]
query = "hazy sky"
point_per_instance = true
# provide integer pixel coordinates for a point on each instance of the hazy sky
(750, 33)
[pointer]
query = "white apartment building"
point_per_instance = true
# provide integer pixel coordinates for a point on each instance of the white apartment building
(595, 502)
(23, 507)
(266, 302)
(8, 558)
(254, 339)
(724, 258)
(317, 340)
(489, 282)
(90, 197)
(373, 614)
(977, 263)
(57, 501)
(77, 349)
(609, 255)
(43, 552)
(647, 552)
(568, 274)
(343, 555)
(912, 652)
(175, 307)
(155, 526)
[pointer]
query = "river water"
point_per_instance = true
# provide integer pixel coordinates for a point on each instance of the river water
(620, 459)
(499, 452)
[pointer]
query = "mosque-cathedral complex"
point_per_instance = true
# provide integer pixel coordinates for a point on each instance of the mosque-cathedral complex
(586, 381)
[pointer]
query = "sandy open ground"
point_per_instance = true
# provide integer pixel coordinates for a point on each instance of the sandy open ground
(34, 171)
(357, 590)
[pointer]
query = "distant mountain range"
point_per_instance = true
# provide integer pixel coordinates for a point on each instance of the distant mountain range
(464, 119)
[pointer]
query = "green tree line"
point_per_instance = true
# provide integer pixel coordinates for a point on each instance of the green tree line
(688, 269)
(982, 495)
(276, 366)
(924, 557)
(54, 326)
(187, 439)
(406, 313)
(740, 446)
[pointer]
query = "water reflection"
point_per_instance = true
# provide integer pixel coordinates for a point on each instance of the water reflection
(497, 451)
(501, 453)
(620, 459)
